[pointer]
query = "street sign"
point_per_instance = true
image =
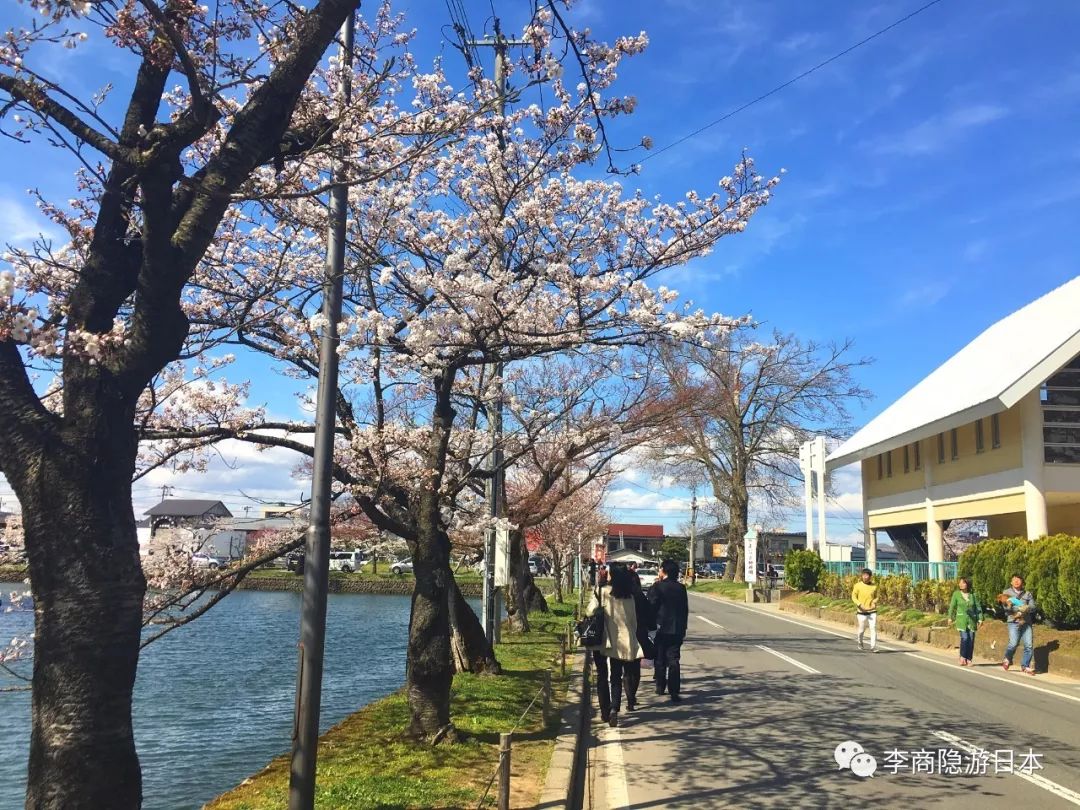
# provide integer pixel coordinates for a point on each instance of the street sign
(750, 543)
(502, 557)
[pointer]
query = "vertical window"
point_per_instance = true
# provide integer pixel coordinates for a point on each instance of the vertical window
(995, 431)
(918, 455)
(954, 445)
(888, 464)
(980, 442)
(941, 448)
(880, 468)
(907, 459)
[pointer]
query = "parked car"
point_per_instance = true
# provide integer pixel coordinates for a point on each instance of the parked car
(648, 574)
(539, 566)
(201, 559)
(402, 566)
(346, 561)
(294, 561)
(714, 570)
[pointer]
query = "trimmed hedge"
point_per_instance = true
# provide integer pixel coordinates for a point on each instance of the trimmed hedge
(1050, 567)
(803, 569)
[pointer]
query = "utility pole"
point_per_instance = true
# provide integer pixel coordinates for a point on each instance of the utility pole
(693, 538)
(166, 490)
(305, 741)
(495, 488)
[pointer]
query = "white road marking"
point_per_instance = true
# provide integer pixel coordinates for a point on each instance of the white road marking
(972, 670)
(998, 678)
(1060, 791)
(618, 794)
(709, 621)
(789, 659)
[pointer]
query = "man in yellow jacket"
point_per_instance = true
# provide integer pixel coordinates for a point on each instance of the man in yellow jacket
(864, 595)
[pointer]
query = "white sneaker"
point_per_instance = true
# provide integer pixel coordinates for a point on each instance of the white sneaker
(874, 649)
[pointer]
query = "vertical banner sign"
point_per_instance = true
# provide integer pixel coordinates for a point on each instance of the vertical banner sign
(502, 557)
(750, 555)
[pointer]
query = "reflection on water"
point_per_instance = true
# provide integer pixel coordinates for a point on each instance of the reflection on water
(214, 700)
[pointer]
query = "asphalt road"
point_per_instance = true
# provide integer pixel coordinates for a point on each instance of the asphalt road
(768, 697)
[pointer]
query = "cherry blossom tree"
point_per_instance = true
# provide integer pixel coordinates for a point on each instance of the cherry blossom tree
(222, 106)
(567, 532)
(489, 249)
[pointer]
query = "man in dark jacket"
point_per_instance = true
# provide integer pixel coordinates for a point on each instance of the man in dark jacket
(672, 609)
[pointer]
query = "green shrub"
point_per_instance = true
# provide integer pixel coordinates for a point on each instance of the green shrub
(803, 570)
(1050, 567)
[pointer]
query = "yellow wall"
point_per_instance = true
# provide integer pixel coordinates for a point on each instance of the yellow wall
(1063, 518)
(1013, 525)
(980, 507)
(970, 464)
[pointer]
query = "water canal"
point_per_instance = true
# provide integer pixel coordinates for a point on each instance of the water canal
(213, 700)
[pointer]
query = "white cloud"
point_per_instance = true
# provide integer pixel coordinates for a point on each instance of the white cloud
(22, 224)
(937, 132)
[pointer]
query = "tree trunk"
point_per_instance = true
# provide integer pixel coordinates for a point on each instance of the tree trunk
(522, 595)
(469, 648)
(88, 586)
(557, 570)
(428, 672)
(739, 512)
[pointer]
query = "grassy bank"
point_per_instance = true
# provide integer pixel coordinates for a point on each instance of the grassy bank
(908, 617)
(367, 762)
(721, 587)
(13, 573)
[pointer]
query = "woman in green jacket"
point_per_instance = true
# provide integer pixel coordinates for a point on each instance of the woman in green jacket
(965, 610)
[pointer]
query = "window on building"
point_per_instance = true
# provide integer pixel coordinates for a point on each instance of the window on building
(941, 448)
(980, 441)
(1061, 415)
(918, 455)
(888, 464)
(954, 445)
(995, 431)
(880, 468)
(907, 459)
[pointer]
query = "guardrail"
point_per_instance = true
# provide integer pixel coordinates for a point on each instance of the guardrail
(915, 571)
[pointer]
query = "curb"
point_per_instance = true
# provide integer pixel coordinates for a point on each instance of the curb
(988, 645)
(562, 787)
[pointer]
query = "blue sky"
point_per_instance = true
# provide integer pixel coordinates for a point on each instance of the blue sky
(932, 186)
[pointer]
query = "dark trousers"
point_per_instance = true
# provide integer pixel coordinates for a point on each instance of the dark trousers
(666, 667)
(967, 644)
(609, 683)
(631, 680)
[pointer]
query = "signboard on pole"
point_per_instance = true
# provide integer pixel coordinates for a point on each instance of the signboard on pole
(750, 555)
(502, 557)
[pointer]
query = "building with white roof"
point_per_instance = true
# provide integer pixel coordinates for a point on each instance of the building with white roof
(993, 433)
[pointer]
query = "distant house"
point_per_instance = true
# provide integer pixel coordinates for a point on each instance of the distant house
(644, 537)
(194, 525)
(186, 512)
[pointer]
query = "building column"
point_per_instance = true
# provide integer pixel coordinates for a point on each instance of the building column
(869, 543)
(935, 539)
(1035, 511)
(1033, 455)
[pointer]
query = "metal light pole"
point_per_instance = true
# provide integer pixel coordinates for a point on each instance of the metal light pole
(317, 556)
(693, 538)
(495, 488)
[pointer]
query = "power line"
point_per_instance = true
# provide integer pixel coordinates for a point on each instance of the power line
(789, 82)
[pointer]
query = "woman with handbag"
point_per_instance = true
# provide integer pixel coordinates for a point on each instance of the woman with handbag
(619, 644)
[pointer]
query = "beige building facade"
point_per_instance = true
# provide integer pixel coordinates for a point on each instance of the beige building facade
(993, 434)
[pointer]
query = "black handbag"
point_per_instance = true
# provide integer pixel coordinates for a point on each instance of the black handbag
(590, 630)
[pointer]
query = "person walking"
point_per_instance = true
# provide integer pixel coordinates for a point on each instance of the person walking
(1020, 615)
(864, 595)
(966, 611)
(672, 610)
(619, 645)
(645, 624)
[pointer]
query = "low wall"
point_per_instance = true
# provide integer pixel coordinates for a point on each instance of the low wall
(1056, 651)
(353, 584)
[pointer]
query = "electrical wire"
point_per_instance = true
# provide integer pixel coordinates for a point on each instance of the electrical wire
(789, 82)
